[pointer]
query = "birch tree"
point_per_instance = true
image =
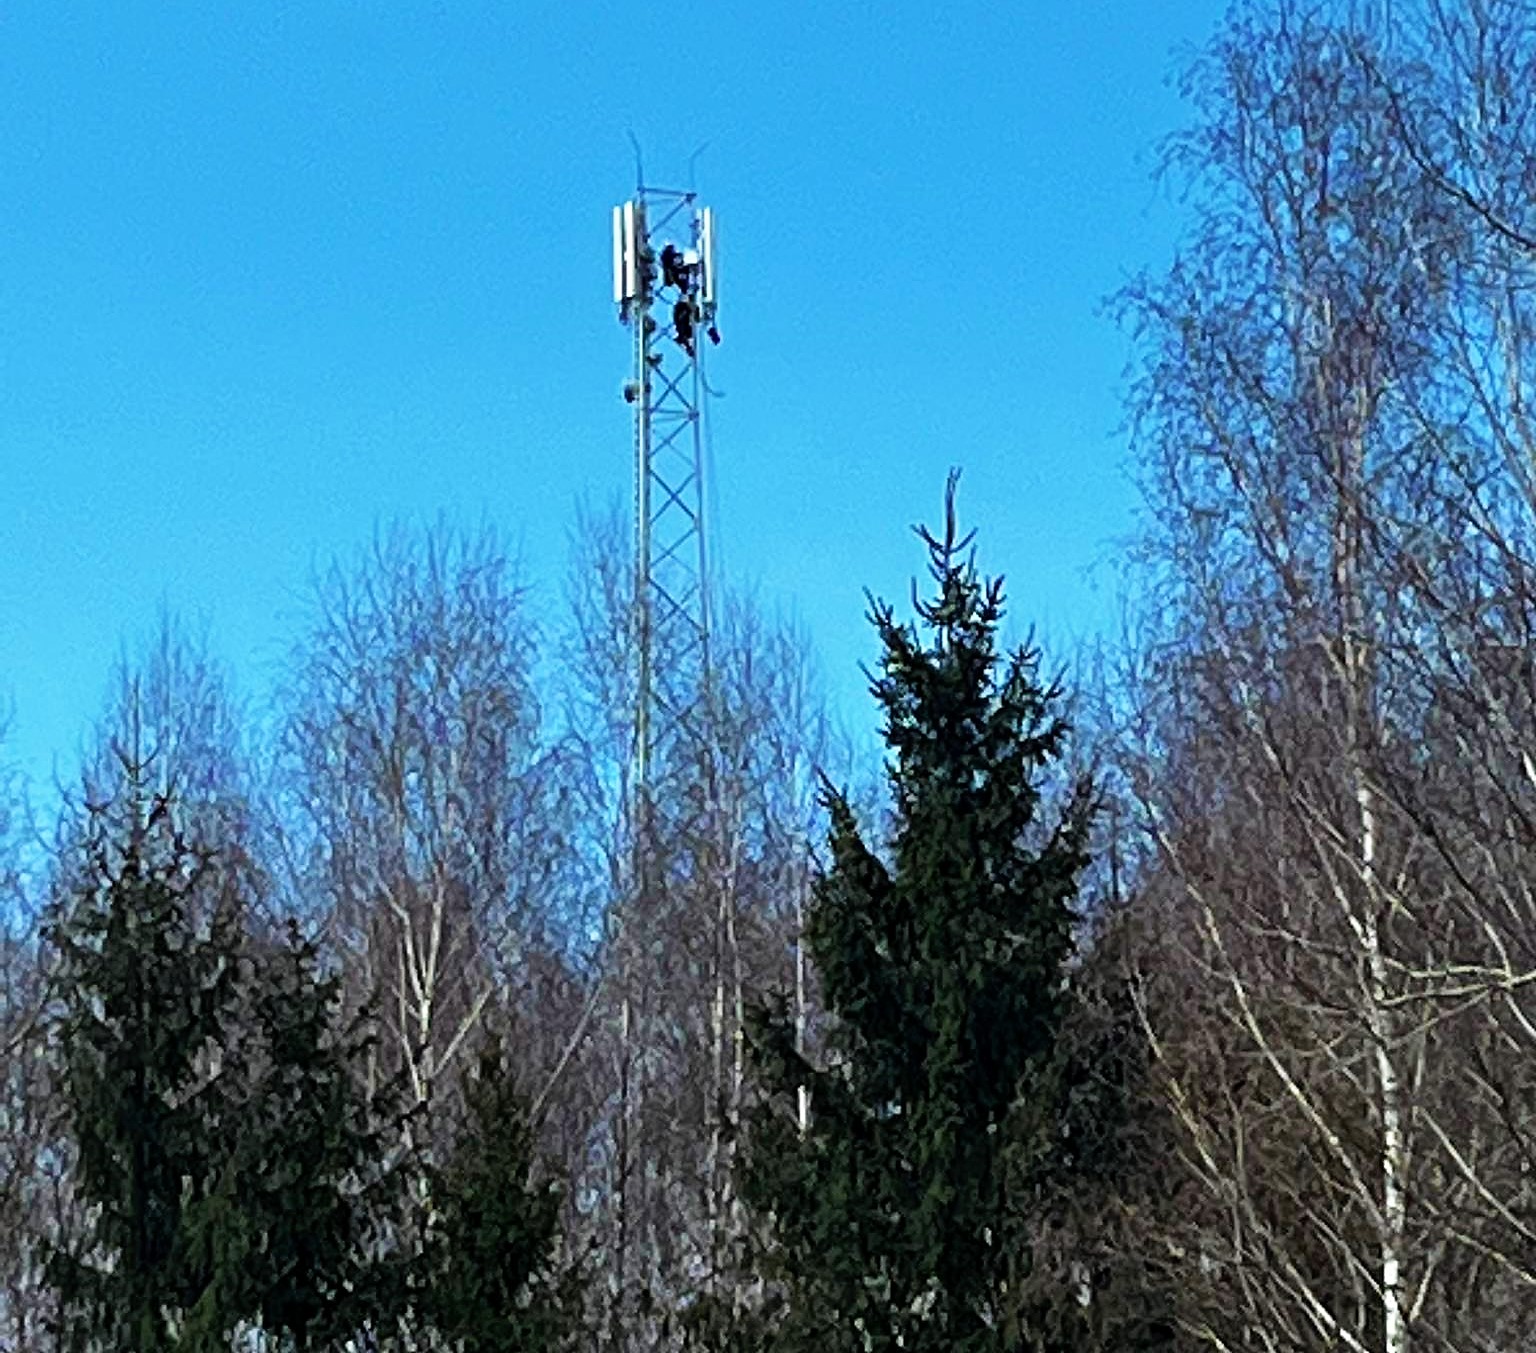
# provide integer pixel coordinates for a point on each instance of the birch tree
(660, 1059)
(421, 800)
(1318, 1001)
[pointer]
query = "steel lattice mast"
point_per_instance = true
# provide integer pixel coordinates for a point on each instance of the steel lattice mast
(664, 261)
(665, 285)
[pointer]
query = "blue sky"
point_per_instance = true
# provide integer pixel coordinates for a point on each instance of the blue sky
(273, 274)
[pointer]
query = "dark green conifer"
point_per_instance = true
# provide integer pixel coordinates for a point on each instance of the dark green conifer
(942, 961)
(491, 1285)
(295, 1236)
(145, 996)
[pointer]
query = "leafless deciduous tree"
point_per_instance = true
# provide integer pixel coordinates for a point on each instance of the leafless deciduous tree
(422, 805)
(1328, 753)
(709, 922)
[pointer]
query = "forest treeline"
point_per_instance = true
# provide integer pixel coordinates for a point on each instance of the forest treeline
(1190, 1008)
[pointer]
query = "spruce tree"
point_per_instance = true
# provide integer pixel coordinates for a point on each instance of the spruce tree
(145, 998)
(294, 1235)
(490, 1279)
(942, 960)
(1084, 1276)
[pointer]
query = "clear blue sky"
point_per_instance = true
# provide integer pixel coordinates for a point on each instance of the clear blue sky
(273, 273)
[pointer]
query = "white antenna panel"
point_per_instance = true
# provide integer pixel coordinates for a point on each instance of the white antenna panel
(707, 252)
(631, 268)
(618, 256)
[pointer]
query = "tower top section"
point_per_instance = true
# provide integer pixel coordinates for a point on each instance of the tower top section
(664, 247)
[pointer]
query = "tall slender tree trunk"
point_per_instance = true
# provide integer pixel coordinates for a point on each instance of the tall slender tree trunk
(619, 1279)
(1359, 706)
(802, 1092)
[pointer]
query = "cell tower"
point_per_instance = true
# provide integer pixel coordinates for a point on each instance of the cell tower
(664, 260)
(666, 286)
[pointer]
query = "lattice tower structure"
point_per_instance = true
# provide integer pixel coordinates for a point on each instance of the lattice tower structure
(666, 287)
